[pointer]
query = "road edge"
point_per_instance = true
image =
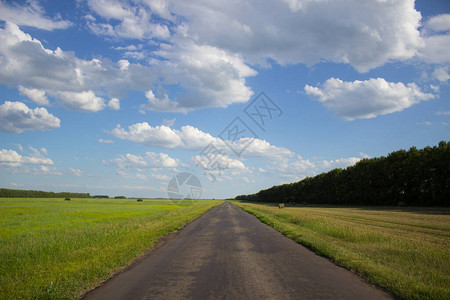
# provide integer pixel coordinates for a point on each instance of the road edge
(364, 278)
(162, 240)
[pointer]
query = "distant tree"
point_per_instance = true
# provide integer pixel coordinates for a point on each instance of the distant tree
(11, 193)
(413, 177)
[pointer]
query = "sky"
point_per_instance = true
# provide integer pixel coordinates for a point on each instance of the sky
(126, 97)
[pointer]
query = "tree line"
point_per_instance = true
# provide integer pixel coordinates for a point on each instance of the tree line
(414, 178)
(11, 193)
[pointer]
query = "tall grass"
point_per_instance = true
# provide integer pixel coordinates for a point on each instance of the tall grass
(56, 249)
(406, 251)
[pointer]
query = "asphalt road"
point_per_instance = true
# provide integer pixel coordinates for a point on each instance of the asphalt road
(229, 254)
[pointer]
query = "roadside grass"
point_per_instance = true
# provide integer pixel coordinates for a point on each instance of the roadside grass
(404, 250)
(56, 249)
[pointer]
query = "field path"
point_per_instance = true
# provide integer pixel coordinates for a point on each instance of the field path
(229, 254)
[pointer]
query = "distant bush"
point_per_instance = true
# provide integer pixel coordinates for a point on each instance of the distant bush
(67, 199)
(139, 200)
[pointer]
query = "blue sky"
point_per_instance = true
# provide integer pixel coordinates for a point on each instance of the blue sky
(117, 97)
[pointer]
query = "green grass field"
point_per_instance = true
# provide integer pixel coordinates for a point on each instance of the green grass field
(405, 250)
(56, 249)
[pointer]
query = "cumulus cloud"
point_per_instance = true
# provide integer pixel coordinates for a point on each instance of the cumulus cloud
(365, 35)
(137, 166)
(25, 61)
(143, 133)
(441, 74)
(131, 21)
(30, 14)
(76, 172)
(436, 34)
(209, 77)
(366, 99)
(338, 163)
(85, 101)
(161, 177)
(114, 104)
(105, 141)
(205, 49)
(221, 166)
(191, 138)
(262, 148)
(296, 168)
(443, 113)
(13, 159)
(188, 137)
(218, 162)
(16, 117)
(36, 95)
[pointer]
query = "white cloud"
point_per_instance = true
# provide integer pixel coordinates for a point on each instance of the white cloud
(436, 50)
(443, 113)
(114, 104)
(366, 99)
(435, 88)
(168, 123)
(160, 103)
(296, 168)
(134, 21)
(222, 161)
(441, 74)
(217, 164)
(10, 157)
(262, 148)
(439, 23)
(16, 117)
(76, 172)
(160, 177)
(436, 34)
(143, 133)
(13, 159)
(149, 160)
(85, 101)
(137, 166)
(365, 34)
(209, 77)
(37, 96)
(105, 141)
(30, 14)
(191, 138)
(337, 163)
(123, 64)
(72, 81)
(426, 123)
(221, 167)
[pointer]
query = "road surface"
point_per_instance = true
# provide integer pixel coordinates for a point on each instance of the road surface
(229, 254)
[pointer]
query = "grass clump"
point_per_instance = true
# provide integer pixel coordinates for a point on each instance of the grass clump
(55, 250)
(405, 250)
